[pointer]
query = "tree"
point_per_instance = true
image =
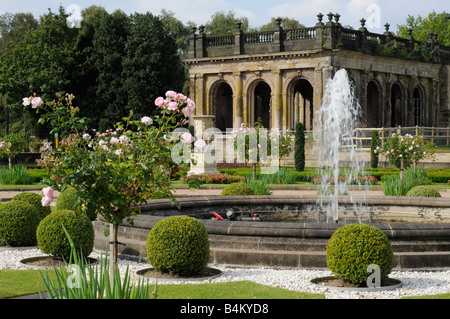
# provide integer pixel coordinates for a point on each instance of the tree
(286, 23)
(225, 23)
(299, 150)
(13, 28)
(107, 58)
(42, 62)
(151, 63)
(422, 26)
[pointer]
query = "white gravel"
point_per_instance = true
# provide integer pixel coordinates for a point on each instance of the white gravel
(414, 283)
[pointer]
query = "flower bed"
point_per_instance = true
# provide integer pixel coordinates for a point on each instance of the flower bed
(215, 178)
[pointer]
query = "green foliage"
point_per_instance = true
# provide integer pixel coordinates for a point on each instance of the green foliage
(406, 149)
(17, 144)
(352, 248)
(222, 23)
(17, 175)
(237, 189)
(286, 24)
(68, 199)
(299, 155)
(422, 26)
(394, 186)
(18, 223)
(52, 239)
(178, 245)
(375, 142)
(35, 200)
(423, 191)
(258, 186)
(91, 281)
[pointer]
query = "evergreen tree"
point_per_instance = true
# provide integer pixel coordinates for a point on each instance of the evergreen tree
(373, 146)
(299, 150)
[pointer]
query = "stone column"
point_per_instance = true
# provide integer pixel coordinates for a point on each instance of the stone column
(206, 161)
(277, 102)
(238, 111)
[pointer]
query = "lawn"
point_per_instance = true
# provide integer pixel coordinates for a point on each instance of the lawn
(15, 283)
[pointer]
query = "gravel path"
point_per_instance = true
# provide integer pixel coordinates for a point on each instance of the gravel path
(414, 283)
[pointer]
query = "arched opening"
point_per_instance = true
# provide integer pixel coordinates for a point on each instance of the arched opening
(418, 107)
(223, 106)
(302, 108)
(373, 105)
(262, 104)
(396, 105)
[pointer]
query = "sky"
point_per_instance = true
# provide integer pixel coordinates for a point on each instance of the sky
(259, 12)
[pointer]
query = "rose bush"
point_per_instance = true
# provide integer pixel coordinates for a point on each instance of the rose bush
(118, 169)
(406, 149)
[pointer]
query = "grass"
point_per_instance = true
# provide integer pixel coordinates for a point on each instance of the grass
(15, 283)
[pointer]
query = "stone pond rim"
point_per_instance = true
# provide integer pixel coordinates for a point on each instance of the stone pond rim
(417, 245)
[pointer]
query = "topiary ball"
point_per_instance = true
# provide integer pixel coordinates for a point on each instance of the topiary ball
(178, 245)
(352, 248)
(423, 191)
(68, 200)
(18, 223)
(237, 189)
(52, 239)
(35, 200)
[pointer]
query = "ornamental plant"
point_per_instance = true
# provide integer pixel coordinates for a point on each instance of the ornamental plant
(405, 151)
(257, 146)
(119, 169)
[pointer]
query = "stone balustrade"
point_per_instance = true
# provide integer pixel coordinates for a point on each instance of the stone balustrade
(330, 35)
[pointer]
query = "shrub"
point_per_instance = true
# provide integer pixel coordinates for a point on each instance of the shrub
(222, 178)
(178, 245)
(375, 142)
(18, 223)
(394, 186)
(299, 150)
(52, 239)
(68, 200)
(35, 200)
(423, 191)
(352, 248)
(237, 189)
(259, 187)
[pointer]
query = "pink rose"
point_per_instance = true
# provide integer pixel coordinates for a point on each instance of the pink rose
(186, 138)
(187, 111)
(159, 101)
(171, 94)
(48, 196)
(147, 120)
(36, 102)
(200, 144)
(173, 106)
(190, 104)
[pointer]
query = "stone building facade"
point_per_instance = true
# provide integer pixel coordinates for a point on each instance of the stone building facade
(279, 77)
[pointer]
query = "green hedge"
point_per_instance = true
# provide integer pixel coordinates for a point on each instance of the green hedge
(178, 245)
(18, 223)
(52, 239)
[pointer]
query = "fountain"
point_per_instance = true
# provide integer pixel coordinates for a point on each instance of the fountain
(337, 120)
(418, 228)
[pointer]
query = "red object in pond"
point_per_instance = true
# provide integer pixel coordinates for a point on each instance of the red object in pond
(218, 217)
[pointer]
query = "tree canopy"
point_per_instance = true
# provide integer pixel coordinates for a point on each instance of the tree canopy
(422, 26)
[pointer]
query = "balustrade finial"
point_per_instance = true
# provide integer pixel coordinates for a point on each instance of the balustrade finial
(337, 16)
(320, 17)
(330, 16)
(363, 22)
(387, 26)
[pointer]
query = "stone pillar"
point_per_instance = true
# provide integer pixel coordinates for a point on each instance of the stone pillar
(277, 102)
(206, 161)
(238, 104)
(199, 95)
